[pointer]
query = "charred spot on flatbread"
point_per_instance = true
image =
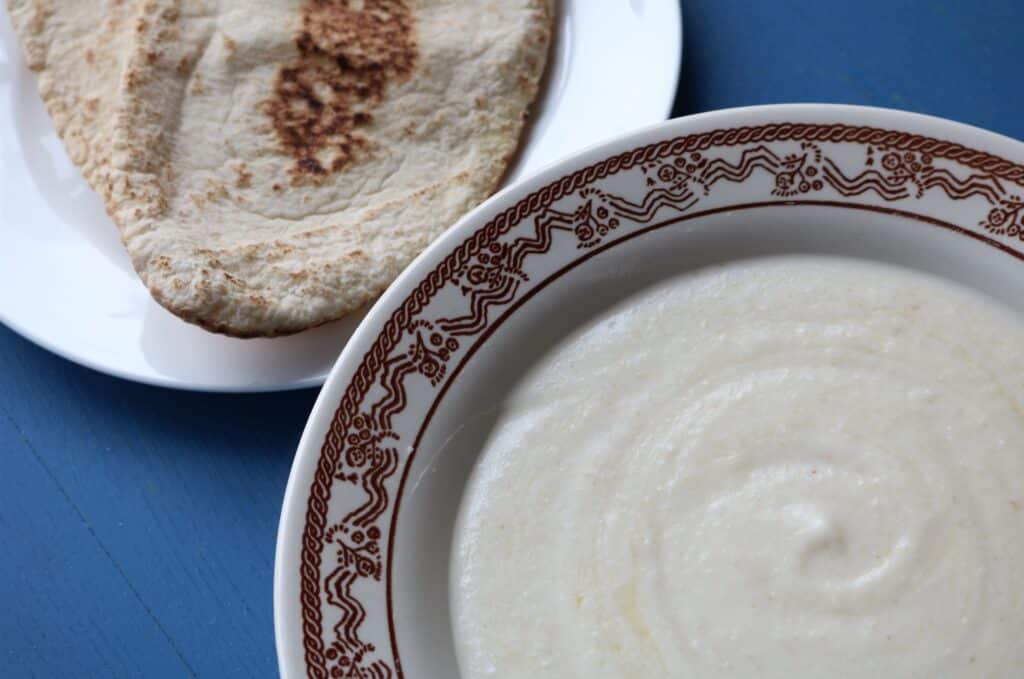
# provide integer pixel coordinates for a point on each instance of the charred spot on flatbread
(349, 52)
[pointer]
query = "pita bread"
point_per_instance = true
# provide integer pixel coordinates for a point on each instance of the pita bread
(272, 170)
(78, 51)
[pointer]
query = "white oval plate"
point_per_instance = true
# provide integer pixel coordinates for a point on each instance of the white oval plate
(67, 284)
(363, 548)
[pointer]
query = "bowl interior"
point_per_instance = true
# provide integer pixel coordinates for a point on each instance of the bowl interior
(457, 430)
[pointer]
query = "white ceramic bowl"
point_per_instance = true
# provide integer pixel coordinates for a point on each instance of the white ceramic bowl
(363, 550)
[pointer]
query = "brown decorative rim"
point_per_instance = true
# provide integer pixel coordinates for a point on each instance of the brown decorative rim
(361, 447)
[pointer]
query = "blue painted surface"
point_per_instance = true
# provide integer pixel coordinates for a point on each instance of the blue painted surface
(137, 525)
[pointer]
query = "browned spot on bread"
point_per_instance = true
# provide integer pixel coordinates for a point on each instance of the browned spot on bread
(230, 44)
(151, 57)
(184, 66)
(162, 262)
(243, 178)
(38, 21)
(349, 53)
(216, 191)
(309, 166)
(90, 57)
(91, 106)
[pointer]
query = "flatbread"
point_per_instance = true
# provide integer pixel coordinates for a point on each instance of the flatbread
(78, 50)
(275, 166)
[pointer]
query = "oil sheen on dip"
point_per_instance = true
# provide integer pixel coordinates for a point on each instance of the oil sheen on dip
(793, 467)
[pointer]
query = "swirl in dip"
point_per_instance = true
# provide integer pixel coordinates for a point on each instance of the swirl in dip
(792, 467)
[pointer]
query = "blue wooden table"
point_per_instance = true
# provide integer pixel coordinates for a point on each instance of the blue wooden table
(137, 525)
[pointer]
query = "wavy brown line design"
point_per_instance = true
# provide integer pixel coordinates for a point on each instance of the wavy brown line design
(958, 189)
(759, 157)
(339, 593)
(480, 302)
(394, 401)
(590, 224)
(543, 227)
(372, 481)
(869, 180)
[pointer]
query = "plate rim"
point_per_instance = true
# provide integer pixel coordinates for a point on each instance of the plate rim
(673, 34)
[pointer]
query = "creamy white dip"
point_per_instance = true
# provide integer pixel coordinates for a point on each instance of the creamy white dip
(796, 467)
